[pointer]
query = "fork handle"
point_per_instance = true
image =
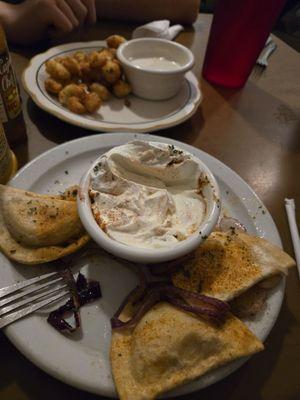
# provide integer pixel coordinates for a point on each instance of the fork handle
(265, 54)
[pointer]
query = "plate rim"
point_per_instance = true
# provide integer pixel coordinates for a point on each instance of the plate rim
(35, 63)
(113, 137)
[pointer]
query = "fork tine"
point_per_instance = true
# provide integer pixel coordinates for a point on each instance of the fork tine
(23, 293)
(10, 289)
(29, 300)
(4, 321)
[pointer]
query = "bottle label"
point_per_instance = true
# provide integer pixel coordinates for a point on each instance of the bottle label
(3, 115)
(5, 157)
(10, 103)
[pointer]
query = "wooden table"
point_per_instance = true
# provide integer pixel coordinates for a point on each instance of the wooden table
(255, 131)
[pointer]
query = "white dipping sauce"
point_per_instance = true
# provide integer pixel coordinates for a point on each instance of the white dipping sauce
(156, 63)
(147, 195)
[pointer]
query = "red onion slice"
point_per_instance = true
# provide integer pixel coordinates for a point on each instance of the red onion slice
(86, 292)
(147, 303)
(202, 312)
(192, 296)
(201, 305)
(69, 279)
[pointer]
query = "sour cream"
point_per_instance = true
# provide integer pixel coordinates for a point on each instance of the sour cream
(147, 194)
(155, 63)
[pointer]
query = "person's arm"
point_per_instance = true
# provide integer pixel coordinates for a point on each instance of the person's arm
(179, 11)
(31, 20)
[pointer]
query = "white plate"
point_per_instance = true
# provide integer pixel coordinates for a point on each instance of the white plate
(114, 115)
(82, 360)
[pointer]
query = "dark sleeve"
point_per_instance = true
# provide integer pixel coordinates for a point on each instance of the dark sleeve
(13, 1)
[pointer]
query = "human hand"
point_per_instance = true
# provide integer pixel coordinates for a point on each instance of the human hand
(31, 20)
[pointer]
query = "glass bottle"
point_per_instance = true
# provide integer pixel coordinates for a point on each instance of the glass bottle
(8, 161)
(11, 114)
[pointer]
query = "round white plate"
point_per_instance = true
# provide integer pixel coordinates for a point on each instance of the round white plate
(113, 116)
(82, 360)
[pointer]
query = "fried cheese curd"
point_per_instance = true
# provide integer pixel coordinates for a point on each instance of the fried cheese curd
(83, 81)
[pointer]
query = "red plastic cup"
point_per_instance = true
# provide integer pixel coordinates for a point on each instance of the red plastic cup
(238, 33)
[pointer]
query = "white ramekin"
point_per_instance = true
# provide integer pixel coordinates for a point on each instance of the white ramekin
(151, 256)
(153, 84)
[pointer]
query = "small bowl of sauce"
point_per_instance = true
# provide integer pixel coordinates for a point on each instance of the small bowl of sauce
(155, 68)
(148, 202)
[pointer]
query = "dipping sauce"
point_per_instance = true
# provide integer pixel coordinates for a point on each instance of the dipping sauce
(147, 194)
(155, 63)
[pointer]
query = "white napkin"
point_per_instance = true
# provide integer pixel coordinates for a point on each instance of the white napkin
(157, 29)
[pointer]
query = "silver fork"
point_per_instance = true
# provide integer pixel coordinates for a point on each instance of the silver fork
(23, 298)
(262, 61)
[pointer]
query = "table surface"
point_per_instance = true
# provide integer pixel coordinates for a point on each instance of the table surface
(256, 132)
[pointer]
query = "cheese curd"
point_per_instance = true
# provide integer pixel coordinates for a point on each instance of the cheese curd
(147, 194)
